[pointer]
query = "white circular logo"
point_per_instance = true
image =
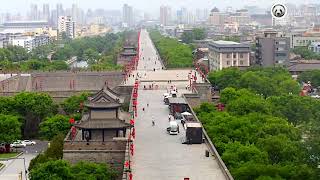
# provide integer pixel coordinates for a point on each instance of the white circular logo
(278, 10)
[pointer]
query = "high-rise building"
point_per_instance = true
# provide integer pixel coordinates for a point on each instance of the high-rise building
(165, 15)
(74, 12)
(216, 17)
(34, 12)
(127, 15)
(45, 12)
(60, 11)
(66, 26)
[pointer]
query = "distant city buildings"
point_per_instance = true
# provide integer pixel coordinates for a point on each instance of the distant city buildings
(28, 42)
(127, 15)
(165, 15)
(66, 26)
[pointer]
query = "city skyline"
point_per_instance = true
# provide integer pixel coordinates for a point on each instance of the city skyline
(19, 6)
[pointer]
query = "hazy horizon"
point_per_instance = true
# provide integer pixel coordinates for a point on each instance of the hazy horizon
(23, 6)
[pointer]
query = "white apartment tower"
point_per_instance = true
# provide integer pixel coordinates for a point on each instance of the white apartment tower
(66, 25)
(165, 15)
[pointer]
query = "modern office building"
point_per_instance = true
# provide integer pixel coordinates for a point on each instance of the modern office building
(127, 15)
(165, 15)
(272, 49)
(34, 12)
(66, 25)
(45, 12)
(223, 54)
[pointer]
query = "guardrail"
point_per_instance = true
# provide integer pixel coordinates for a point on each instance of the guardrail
(211, 146)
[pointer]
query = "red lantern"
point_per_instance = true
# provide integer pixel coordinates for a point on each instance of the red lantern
(133, 133)
(73, 132)
(131, 149)
(132, 122)
(127, 164)
(135, 102)
(135, 95)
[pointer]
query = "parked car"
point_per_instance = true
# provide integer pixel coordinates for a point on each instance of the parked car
(29, 142)
(18, 144)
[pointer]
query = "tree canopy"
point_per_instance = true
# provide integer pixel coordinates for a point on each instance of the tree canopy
(32, 108)
(10, 128)
(61, 169)
(54, 125)
(263, 81)
(312, 76)
(174, 53)
(306, 53)
(262, 138)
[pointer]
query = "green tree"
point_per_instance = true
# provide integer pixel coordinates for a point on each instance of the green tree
(306, 53)
(199, 33)
(54, 125)
(10, 128)
(34, 107)
(295, 108)
(57, 170)
(87, 170)
(228, 77)
(54, 152)
(172, 52)
(72, 104)
(312, 76)
(187, 37)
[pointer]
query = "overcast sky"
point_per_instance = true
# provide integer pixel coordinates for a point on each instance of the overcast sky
(147, 5)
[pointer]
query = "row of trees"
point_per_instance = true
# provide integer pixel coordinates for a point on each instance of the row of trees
(174, 53)
(16, 58)
(100, 52)
(196, 34)
(306, 53)
(33, 114)
(273, 136)
(266, 82)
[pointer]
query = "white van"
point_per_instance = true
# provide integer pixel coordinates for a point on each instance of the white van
(173, 128)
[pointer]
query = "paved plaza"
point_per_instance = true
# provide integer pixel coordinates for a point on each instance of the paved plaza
(159, 155)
